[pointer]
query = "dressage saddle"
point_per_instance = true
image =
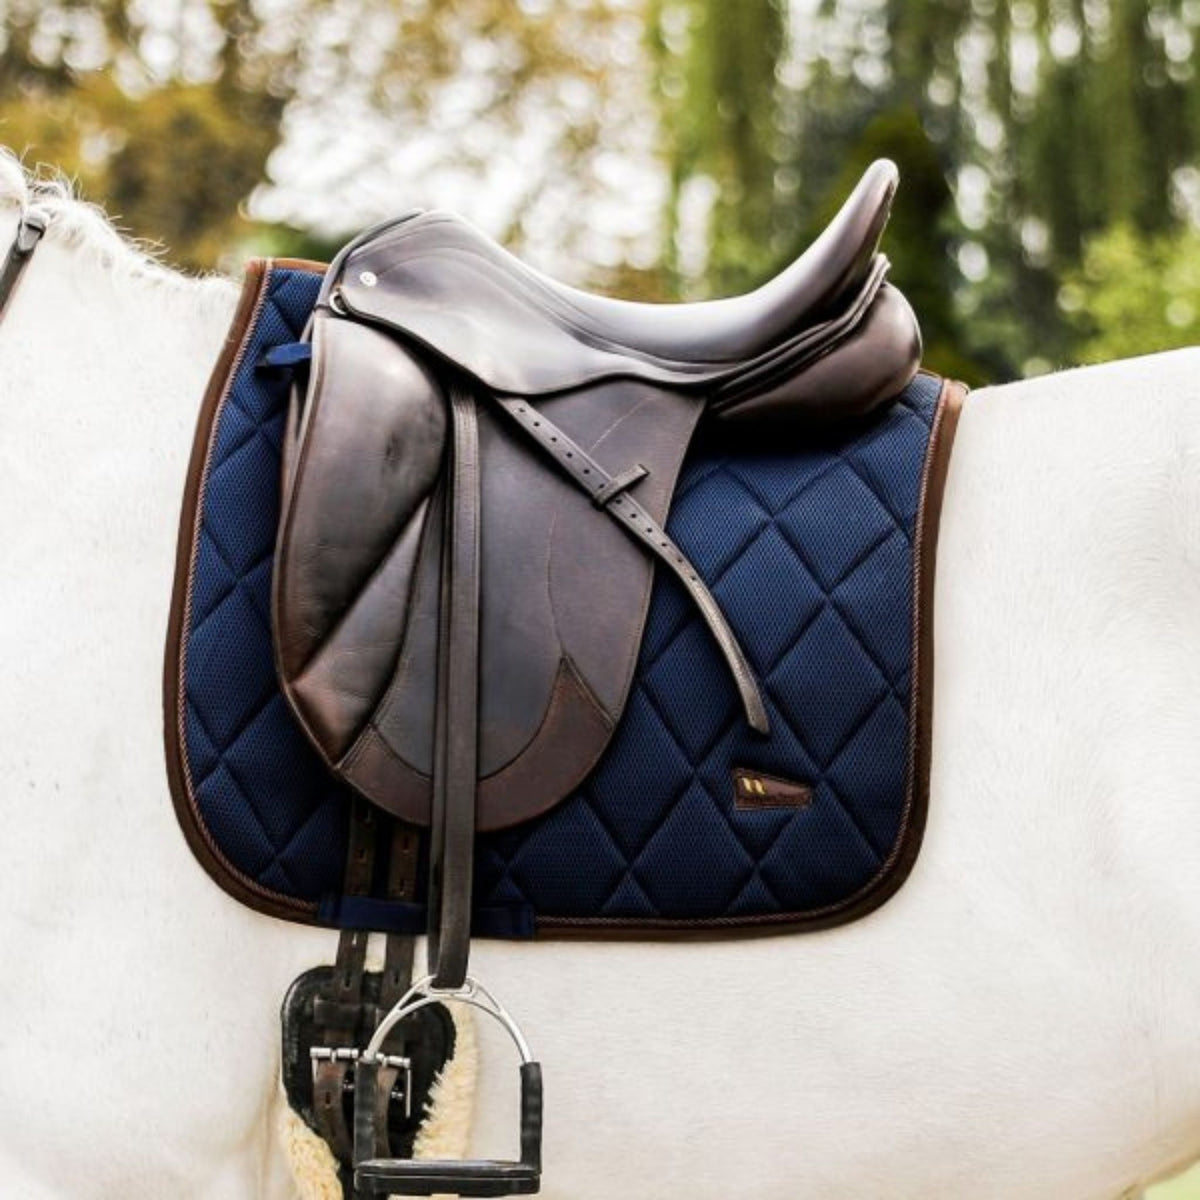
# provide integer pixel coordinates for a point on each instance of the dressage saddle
(477, 470)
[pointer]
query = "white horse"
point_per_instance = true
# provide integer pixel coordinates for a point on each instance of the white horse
(1021, 1021)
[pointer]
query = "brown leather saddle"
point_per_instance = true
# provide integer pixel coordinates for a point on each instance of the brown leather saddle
(476, 479)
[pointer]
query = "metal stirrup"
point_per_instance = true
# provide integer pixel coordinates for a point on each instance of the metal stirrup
(459, 1177)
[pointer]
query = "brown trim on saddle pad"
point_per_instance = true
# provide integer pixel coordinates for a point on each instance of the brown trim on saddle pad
(899, 863)
(299, 264)
(241, 887)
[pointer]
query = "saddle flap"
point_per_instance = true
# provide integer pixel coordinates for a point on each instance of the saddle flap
(361, 463)
(359, 566)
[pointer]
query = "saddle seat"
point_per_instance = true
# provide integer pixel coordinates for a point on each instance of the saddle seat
(740, 327)
(522, 333)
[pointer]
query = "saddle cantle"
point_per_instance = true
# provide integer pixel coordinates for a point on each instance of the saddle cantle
(569, 416)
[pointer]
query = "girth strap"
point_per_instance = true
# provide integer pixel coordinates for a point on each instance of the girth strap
(397, 970)
(401, 885)
(337, 1010)
(340, 1009)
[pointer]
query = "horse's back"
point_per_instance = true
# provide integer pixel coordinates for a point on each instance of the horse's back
(1046, 916)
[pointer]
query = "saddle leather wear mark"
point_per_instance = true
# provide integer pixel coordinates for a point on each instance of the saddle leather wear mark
(629, 605)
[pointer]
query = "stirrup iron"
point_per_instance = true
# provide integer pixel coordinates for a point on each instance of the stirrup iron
(375, 1176)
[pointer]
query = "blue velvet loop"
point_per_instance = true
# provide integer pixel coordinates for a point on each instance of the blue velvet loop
(288, 355)
(809, 550)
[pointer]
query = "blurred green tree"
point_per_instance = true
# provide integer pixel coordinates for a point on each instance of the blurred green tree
(1134, 293)
(169, 114)
(1052, 119)
(716, 69)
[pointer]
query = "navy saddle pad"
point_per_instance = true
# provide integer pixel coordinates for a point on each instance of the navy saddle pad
(821, 556)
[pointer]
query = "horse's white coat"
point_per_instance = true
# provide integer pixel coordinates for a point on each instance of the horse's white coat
(1021, 1022)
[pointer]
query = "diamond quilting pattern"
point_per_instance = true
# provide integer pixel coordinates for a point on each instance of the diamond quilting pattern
(810, 556)
(267, 802)
(809, 551)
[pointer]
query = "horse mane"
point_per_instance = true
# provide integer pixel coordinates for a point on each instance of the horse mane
(83, 226)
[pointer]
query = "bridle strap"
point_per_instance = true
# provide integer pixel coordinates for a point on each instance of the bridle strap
(33, 224)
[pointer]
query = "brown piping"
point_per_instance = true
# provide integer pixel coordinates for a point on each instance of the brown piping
(241, 887)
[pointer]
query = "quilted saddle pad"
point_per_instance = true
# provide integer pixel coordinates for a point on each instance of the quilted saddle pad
(821, 555)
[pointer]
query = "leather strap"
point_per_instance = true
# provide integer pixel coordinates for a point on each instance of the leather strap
(397, 969)
(610, 493)
(456, 720)
(337, 1009)
(402, 885)
(32, 226)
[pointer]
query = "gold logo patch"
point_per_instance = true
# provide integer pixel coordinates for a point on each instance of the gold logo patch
(753, 789)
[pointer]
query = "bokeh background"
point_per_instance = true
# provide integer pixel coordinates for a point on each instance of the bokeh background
(662, 149)
(659, 148)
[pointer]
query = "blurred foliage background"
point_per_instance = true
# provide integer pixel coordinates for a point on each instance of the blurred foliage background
(666, 149)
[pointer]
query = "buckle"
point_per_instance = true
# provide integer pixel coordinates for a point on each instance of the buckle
(348, 1054)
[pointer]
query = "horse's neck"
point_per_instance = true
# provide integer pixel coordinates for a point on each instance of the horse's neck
(95, 357)
(101, 376)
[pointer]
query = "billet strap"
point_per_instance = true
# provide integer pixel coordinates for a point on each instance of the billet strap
(397, 966)
(456, 719)
(337, 1009)
(402, 885)
(340, 1010)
